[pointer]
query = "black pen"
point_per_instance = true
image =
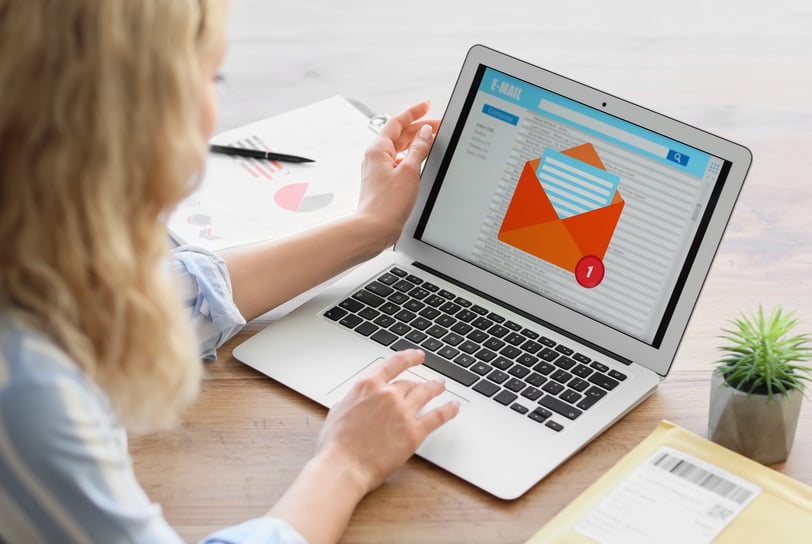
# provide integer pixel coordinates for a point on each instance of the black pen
(257, 154)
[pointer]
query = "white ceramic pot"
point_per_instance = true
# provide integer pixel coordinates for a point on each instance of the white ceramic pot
(757, 426)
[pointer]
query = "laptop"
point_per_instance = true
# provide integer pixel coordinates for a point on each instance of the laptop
(557, 248)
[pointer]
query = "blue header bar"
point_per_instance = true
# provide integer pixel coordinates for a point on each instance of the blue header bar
(632, 137)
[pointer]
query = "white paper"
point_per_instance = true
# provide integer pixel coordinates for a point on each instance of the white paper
(672, 498)
(244, 200)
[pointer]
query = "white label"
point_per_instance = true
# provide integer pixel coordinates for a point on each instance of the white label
(671, 498)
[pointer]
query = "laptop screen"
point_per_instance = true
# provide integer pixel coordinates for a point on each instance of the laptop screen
(590, 211)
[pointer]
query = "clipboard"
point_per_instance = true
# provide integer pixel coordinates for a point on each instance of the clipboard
(242, 200)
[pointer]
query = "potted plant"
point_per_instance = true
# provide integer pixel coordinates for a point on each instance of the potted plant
(757, 386)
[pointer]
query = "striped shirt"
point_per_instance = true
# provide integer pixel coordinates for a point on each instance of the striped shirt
(65, 473)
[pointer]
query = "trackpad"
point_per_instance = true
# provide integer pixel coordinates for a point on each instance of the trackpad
(413, 374)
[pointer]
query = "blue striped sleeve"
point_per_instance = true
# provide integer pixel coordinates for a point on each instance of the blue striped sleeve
(206, 290)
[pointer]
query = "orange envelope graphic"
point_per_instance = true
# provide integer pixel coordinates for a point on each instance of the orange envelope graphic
(532, 225)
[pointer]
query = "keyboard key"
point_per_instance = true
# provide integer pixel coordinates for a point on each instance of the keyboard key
(405, 316)
(420, 324)
(448, 352)
(530, 334)
(388, 279)
(469, 347)
(548, 354)
(544, 368)
(482, 323)
(527, 360)
(447, 294)
(581, 358)
(461, 328)
(438, 364)
(432, 344)
(531, 347)
(369, 313)
(465, 315)
(564, 349)
(414, 305)
(519, 371)
(434, 301)
(496, 318)
(535, 378)
(531, 393)
(384, 321)
(546, 341)
(366, 328)
(502, 363)
(479, 309)
(505, 397)
(462, 302)
(486, 388)
(498, 331)
(398, 272)
(554, 425)
(401, 329)
(452, 339)
(389, 308)
(450, 308)
(510, 352)
(581, 370)
(512, 325)
(485, 355)
(518, 408)
(539, 414)
(578, 384)
(477, 335)
(384, 337)
(445, 321)
(398, 298)
(603, 380)
(416, 336)
(481, 368)
(351, 305)
(414, 279)
(619, 376)
(464, 360)
(570, 396)
(515, 385)
(599, 366)
(379, 289)
(591, 396)
(494, 343)
(497, 376)
(351, 321)
(564, 362)
(437, 331)
(335, 313)
(553, 388)
(514, 338)
(561, 376)
(560, 407)
(430, 287)
(419, 293)
(429, 313)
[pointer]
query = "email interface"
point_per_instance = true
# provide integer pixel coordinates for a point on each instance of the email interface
(576, 205)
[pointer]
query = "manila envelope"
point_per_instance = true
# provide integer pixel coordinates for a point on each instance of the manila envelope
(532, 225)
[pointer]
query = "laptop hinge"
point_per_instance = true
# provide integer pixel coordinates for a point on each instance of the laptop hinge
(524, 314)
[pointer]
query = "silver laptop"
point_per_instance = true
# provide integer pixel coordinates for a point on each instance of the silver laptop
(557, 249)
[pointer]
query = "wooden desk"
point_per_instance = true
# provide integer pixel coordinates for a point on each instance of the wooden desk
(746, 75)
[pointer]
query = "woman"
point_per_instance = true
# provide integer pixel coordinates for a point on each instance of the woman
(105, 113)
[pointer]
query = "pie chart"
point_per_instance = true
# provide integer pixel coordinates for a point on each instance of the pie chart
(296, 197)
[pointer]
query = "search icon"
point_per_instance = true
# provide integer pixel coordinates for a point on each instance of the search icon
(677, 157)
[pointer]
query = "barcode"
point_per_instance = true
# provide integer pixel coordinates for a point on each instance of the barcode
(694, 474)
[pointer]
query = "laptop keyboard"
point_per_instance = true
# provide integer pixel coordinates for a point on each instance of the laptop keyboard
(478, 348)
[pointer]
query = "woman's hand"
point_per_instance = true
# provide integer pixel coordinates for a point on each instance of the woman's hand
(389, 185)
(375, 428)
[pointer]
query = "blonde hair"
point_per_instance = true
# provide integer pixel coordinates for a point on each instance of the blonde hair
(100, 135)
